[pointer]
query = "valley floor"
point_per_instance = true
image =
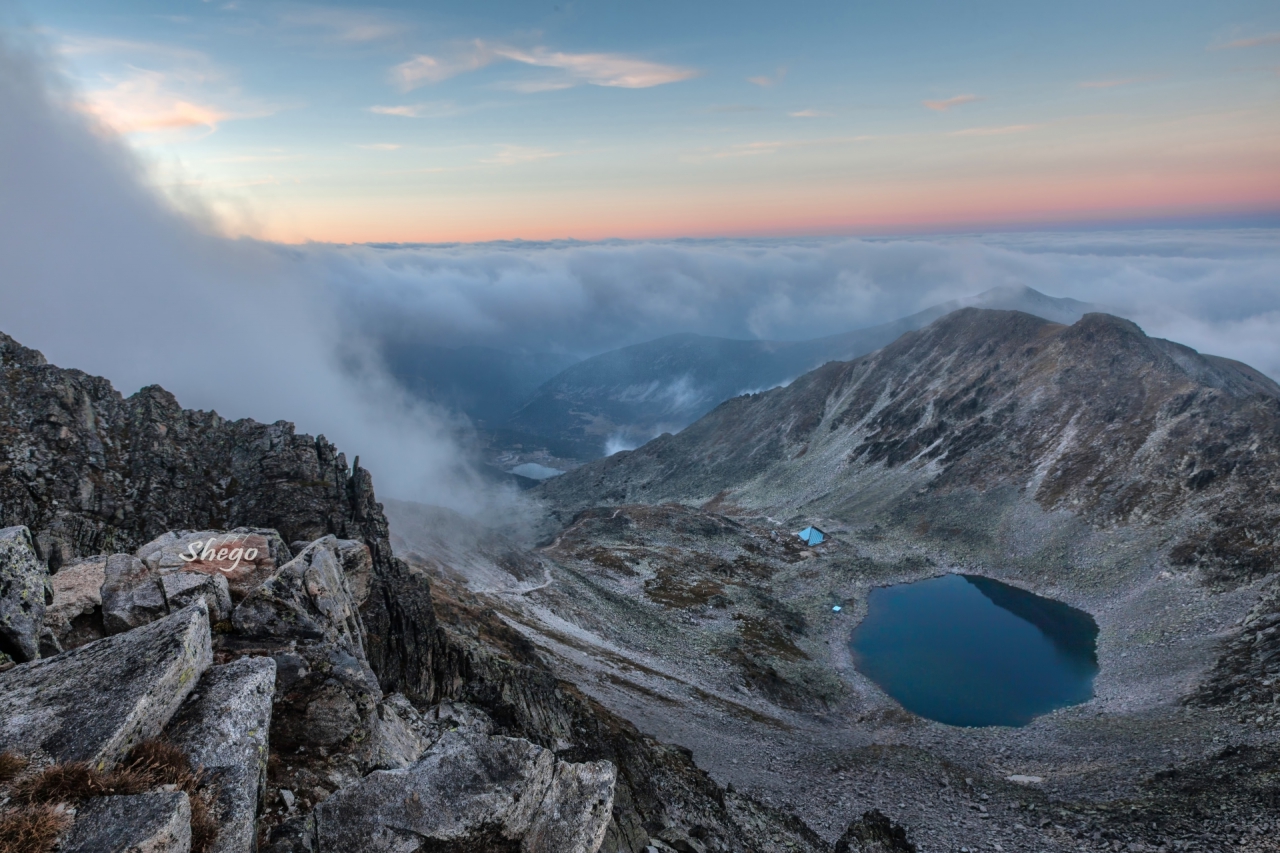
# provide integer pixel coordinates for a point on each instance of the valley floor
(717, 634)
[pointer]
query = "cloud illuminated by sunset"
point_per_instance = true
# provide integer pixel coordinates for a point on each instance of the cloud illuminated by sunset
(947, 103)
(297, 122)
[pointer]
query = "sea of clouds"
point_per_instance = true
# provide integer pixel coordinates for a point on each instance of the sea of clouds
(102, 272)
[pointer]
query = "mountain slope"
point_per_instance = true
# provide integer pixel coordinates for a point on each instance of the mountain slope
(627, 396)
(1094, 421)
(90, 471)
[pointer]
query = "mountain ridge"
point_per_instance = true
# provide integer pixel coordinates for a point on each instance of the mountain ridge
(1080, 418)
(626, 396)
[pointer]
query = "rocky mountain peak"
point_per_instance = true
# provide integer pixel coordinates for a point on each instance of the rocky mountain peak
(1096, 420)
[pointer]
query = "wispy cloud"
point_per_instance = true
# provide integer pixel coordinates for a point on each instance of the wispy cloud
(423, 69)
(342, 25)
(511, 155)
(1251, 41)
(995, 131)
(602, 69)
(752, 149)
(81, 45)
(532, 87)
(145, 103)
(1111, 84)
(405, 110)
(808, 114)
(381, 146)
(947, 103)
(766, 81)
(596, 69)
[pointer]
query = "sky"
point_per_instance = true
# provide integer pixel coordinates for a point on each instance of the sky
(569, 119)
(186, 201)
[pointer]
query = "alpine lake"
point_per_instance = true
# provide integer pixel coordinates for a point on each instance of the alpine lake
(966, 650)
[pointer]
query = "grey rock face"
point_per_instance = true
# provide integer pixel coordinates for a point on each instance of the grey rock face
(135, 593)
(157, 822)
(357, 565)
(1247, 673)
(183, 588)
(308, 599)
(131, 595)
(400, 736)
(92, 472)
(24, 592)
(243, 557)
(223, 727)
(874, 833)
(327, 695)
(95, 702)
(75, 616)
(475, 792)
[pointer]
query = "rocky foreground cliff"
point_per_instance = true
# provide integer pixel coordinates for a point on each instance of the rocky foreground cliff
(207, 644)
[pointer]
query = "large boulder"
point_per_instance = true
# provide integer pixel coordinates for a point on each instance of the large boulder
(327, 696)
(134, 594)
(24, 591)
(95, 702)
(75, 616)
(307, 600)
(131, 595)
(223, 728)
(473, 792)
(157, 822)
(244, 557)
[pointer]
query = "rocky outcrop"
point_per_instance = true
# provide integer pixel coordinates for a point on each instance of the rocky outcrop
(91, 472)
(75, 616)
(874, 833)
(94, 703)
(24, 591)
(131, 595)
(1247, 674)
(134, 593)
(243, 558)
(224, 729)
(347, 626)
(473, 792)
(157, 822)
(307, 600)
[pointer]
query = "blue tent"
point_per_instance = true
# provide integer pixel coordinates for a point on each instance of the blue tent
(811, 535)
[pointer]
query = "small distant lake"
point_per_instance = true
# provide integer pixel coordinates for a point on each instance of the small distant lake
(536, 471)
(970, 651)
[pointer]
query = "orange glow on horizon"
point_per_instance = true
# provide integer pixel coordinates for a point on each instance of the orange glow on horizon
(780, 211)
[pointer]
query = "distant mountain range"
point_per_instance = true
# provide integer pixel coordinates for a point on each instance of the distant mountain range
(979, 422)
(623, 398)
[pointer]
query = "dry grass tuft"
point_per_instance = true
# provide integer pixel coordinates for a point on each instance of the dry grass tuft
(204, 826)
(11, 764)
(32, 828)
(62, 783)
(165, 764)
(149, 765)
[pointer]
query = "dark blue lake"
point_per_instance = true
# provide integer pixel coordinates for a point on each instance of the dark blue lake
(970, 651)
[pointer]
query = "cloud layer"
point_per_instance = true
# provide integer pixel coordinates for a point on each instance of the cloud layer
(103, 275)
(1214, 290)
(596, 69)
